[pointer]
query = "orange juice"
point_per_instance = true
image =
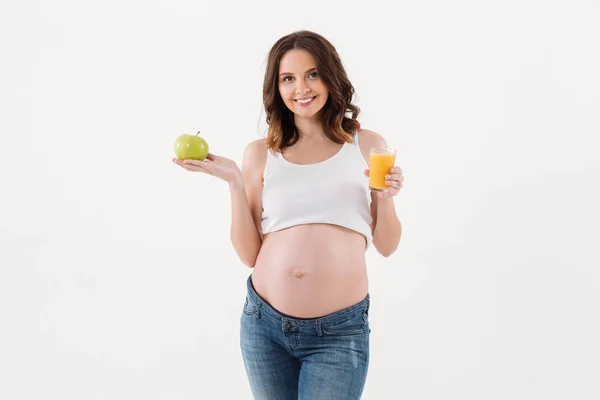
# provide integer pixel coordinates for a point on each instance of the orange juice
(381, 161)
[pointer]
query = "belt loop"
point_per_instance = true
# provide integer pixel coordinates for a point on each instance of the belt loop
(319, 330)
(259, 308)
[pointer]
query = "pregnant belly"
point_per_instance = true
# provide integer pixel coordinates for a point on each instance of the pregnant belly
(311, 270)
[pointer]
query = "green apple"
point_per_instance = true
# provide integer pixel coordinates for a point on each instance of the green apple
(190, 147)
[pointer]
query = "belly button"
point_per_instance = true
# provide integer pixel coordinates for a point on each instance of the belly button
(297, 274)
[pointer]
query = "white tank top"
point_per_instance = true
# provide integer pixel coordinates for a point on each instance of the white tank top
(335, 191)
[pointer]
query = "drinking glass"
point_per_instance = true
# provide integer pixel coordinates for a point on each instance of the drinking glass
(381, 161)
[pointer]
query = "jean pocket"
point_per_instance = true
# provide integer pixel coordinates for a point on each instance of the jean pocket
(250, 308)
(355, 325)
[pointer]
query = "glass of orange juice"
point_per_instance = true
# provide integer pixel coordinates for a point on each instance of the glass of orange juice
(381, 160)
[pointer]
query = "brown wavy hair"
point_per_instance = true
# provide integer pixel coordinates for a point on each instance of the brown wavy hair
(337, 125)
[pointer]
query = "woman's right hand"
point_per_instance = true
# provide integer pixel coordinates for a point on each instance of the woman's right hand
(218, 166)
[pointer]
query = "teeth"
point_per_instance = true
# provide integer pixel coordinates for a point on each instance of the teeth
(305, 101)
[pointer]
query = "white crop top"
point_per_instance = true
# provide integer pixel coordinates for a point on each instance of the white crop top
(334, 191)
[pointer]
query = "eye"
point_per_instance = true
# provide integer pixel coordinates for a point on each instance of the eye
(285, 77)
(313, 73)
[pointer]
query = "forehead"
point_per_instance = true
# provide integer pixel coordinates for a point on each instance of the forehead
(296, 60)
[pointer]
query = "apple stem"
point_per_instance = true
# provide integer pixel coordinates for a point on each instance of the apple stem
(198, 133)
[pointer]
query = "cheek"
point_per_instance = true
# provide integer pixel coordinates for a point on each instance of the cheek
(321, 88)
(284, 92)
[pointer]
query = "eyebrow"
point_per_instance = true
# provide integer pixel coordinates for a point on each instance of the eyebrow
(289, 73)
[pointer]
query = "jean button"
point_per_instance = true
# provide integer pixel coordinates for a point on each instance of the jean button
(287, 325)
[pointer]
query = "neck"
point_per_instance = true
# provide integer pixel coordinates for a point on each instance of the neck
(310, 129)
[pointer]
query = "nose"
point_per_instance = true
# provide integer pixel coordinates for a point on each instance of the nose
(302, 87)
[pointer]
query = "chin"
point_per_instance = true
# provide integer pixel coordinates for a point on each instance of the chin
(307, 113)
(310, 114)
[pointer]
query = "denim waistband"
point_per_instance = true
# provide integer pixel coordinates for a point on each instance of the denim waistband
(265, 307)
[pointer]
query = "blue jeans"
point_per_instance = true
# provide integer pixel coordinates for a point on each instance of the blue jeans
(304, 358)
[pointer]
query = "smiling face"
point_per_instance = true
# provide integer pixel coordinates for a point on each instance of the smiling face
(300, 85)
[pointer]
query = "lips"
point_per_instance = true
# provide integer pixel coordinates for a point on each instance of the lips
(305, 102)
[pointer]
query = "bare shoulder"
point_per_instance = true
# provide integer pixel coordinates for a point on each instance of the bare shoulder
(367, 139)
(256, 148)
(371, 138)
(255, 157)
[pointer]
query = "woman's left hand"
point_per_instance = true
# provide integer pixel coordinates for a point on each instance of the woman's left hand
(393, 181)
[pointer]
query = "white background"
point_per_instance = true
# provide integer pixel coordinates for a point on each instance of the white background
(117, 276)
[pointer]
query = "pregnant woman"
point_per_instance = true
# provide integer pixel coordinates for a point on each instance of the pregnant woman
(303, 217)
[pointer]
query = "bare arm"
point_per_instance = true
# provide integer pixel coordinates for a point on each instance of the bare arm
(246, 197)
(386, 226)
(244, 236)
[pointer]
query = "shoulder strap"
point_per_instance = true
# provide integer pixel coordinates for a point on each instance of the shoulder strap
(357, 147)
(272, 160)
